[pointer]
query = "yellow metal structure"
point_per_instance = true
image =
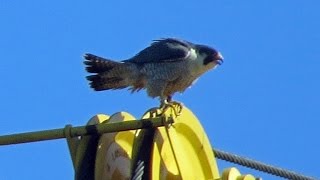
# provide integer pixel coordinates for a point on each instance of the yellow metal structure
(234, 174)
(113, 159)
(181, 150)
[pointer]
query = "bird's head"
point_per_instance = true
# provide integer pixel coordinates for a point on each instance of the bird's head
(209, 56)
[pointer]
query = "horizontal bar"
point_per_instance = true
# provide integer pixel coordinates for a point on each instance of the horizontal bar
(69, 131)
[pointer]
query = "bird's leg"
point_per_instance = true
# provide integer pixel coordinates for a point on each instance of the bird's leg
(163, 102)
(155, 112)
(166, 103)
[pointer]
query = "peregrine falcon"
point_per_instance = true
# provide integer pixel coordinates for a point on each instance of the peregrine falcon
(167, 66)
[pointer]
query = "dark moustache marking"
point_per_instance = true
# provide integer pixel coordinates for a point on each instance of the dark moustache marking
(208, 59)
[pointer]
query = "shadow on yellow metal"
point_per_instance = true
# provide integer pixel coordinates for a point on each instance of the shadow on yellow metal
(181, 150)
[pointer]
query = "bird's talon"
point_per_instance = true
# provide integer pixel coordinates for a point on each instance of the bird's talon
(176, 107)
(179, 106)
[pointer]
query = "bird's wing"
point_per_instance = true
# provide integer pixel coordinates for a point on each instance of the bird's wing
(164, 50)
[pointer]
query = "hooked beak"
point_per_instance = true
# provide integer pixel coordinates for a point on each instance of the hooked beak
(219, 58)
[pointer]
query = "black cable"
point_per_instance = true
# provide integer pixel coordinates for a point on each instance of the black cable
(259, 166)
(142, 155)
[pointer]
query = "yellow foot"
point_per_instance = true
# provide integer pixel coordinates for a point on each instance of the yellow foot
(173, 105)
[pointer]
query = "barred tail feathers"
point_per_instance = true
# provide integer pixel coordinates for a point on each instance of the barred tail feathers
(109, 74)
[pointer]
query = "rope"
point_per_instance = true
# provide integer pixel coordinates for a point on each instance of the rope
(172, 150)
(259, 166)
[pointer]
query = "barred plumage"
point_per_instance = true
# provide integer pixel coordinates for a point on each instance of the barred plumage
(167, 66)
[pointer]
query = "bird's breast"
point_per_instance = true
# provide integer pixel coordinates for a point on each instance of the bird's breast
(165, 71)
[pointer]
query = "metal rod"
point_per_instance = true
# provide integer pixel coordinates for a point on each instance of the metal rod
(69, 131)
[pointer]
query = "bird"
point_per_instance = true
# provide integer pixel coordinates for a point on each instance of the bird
(167, 66)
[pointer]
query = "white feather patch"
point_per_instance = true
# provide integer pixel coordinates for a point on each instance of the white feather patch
(193, 54)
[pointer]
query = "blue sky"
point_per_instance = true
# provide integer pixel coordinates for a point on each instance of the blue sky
(262, 103)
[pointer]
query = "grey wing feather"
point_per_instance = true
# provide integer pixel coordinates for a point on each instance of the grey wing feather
(163, 50)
